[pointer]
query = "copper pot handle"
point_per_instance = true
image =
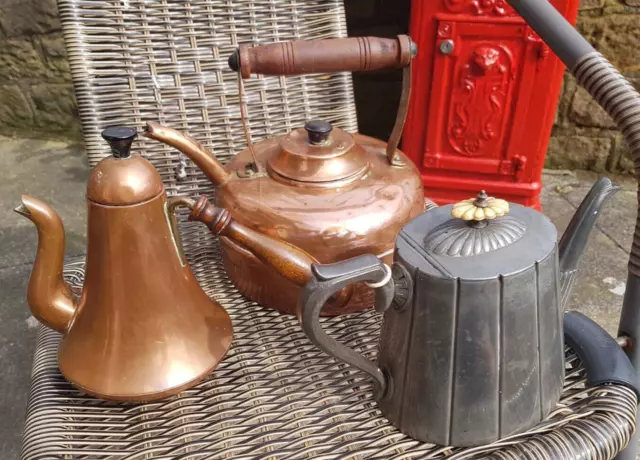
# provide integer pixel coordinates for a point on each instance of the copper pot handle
(331, 55)
(289, 261)
(170, 212)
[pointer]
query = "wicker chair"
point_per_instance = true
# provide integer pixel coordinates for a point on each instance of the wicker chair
(275, 395)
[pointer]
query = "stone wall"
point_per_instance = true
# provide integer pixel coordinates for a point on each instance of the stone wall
(36, 95)
(584, 136)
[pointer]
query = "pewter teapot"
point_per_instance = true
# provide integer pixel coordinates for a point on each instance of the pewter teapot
(471, 347)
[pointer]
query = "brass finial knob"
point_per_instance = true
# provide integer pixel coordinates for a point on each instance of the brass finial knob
(480, 208)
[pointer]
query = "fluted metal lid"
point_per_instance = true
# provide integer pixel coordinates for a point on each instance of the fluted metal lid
(458, 239)
(480, 242)
(479, 225)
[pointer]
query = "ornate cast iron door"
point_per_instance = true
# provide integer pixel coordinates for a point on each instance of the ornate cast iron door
(477, 87)
(484, 99)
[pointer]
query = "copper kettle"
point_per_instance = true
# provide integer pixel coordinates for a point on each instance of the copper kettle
(142, 328)
(331, 193)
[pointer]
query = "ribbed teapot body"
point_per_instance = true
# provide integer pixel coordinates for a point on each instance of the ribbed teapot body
(474, 345)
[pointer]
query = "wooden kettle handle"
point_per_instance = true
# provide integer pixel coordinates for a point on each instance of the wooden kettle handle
(331, 55)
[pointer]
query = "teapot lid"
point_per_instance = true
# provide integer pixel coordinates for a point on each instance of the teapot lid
(478, 238)
(318, 154)
(122, 178)
(469, 233)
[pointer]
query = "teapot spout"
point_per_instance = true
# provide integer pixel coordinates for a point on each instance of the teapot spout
(200, 155)
(48, 296)
(575, 237)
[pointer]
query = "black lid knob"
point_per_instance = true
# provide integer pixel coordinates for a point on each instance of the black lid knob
(318, 131)
(120, 139)
(234, 61)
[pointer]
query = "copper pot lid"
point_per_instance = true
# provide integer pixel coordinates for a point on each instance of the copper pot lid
(319, 154)
(123, 179)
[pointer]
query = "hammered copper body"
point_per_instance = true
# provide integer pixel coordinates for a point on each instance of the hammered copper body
(332, 194)
(331, 224)
(142, 328)
(356, 205)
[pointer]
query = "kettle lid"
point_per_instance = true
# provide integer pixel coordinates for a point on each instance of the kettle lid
(318, 154)
(123, 178)
(478, 238)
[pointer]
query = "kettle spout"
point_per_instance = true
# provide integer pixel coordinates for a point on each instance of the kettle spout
(48, 296)
(575, 237)
(201, 156)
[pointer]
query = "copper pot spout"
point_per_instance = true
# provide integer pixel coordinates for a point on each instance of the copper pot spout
(48, 296)
(200, 155)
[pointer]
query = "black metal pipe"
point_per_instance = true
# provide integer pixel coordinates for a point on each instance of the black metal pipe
(566, 42)
(622, 102)
(600, 354)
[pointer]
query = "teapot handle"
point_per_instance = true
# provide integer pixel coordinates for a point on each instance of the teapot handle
(325, 282)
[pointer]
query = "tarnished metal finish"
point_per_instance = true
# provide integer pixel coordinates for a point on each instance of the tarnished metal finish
(456, 238)
(331, 225)
(142, 328)
(292, 263)
(334, 195)
(472, 351)
(298, 160)
(121, 182)
(331, 218)
(429, 204)
(277, 396)
(393, 157)
(48, 296)
(575, 237)
(123, 179)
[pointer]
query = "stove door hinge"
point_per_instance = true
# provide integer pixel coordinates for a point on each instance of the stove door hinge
(514, 167)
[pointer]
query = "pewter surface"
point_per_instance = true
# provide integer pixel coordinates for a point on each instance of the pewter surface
(457, 238)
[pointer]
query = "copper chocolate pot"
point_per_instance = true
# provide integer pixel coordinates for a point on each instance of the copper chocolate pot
(333, 194)
(142, 328)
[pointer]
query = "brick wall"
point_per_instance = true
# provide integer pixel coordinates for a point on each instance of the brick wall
(36, 95)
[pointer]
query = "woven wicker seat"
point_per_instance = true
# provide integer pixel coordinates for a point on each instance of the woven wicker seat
(275, 395)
